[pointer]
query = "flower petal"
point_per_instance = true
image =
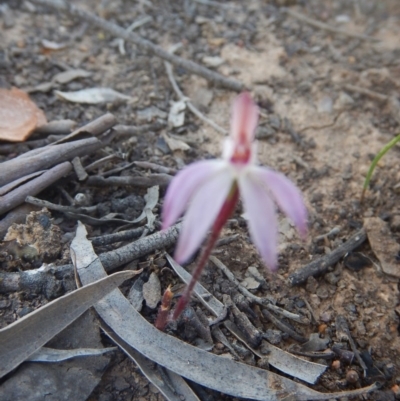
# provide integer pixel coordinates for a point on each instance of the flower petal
(287, 196)
(262, 222)
(244, 118)
(183, 186)
(206, 203)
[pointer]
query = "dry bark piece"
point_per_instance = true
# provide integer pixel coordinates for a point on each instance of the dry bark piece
(383, 244)
(19, 116)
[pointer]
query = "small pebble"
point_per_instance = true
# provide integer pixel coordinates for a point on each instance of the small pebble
(331, 278)
(352, 376)
(273, 336)
(311, 285)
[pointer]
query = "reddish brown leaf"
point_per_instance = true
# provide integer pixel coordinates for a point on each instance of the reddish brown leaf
(19, 116)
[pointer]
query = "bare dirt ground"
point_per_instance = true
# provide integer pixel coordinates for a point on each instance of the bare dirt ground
(318, 125)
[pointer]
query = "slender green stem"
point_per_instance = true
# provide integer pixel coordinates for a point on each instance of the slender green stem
(385, 149)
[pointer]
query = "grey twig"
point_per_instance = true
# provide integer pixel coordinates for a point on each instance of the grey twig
(129, 130)
(117, 237)
(95, 128)
(343, 332)
(321, 265)
(156, 167)
(282, 326)
(261, 301)
(141, 182)
(119, 32)
(60, 208)
(57, 127)
(79, 169)
(33, 187)
(52, 279)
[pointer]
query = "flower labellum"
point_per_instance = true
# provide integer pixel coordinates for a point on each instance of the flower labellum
(207, 191)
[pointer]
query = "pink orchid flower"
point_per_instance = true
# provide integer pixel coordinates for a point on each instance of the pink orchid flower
(207, 191)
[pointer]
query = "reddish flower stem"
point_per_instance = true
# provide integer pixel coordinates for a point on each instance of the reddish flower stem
(226, 211)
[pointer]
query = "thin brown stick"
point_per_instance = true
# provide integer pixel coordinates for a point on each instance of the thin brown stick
(98, 163)
(95, 128)
(366, 92)
(326, 27)
(59, 208)
(284, 327)
(189, 104)
(44, 158)
(33, 187)
(120, 236)
(23, 147)
(79, 169)
(57, 127)
(129, 130)
(115, 30)
(156, 167)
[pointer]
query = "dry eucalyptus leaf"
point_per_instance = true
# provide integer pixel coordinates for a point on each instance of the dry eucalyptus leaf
(175, 144)
(176, 116)
(92, 96)
(69, 380)
(197, 365)
(46, 354)
(19, 340)
(50, 45)
(151, 199)
(19, 116)
(69, 75)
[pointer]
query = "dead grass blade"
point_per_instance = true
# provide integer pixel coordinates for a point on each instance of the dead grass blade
(21, 339)
(190, 362)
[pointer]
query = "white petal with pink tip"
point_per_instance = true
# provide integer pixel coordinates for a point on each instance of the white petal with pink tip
(287, 196)
(244, 117)
(260, 211)
(203, 210)
(184, 185)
